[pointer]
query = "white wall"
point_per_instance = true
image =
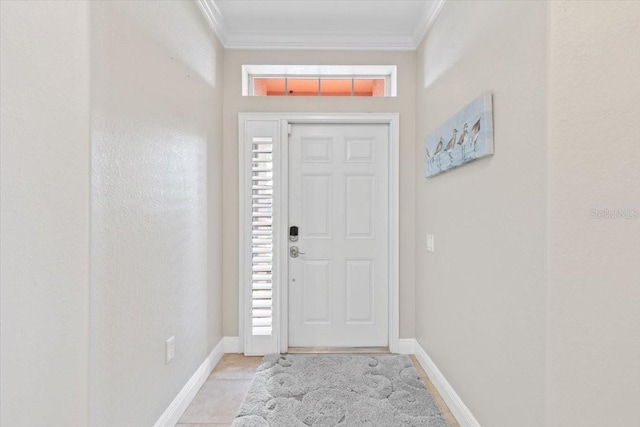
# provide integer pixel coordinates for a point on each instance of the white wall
(593, 374)
(481, 297)
(156, 208)
(111, 121)
(234, 103)
(44, 206)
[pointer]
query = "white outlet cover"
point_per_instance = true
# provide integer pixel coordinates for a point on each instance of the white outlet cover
(431, 243)
(170, 349)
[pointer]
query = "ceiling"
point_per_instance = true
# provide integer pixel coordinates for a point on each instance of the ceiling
(321, 24)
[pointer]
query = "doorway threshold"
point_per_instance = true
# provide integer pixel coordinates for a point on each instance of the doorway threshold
(338, 350)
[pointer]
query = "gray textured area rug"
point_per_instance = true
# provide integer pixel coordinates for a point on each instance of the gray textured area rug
(324, 390)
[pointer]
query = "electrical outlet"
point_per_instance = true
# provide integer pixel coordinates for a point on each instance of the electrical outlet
(170, 349)
(431, 246)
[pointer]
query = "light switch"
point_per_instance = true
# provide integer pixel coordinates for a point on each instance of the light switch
(431, 243)
(169, 349)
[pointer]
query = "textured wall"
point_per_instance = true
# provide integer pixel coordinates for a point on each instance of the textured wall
(44, 92)
(593, 374)
(156, 208)
(404, 103)
(480, 298)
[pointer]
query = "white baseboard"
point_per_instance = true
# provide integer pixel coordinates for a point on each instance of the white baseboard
(177, 407)
(231, 344)
(457, 407)
(406, 346)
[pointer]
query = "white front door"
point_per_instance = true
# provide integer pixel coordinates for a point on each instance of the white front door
(339, 200)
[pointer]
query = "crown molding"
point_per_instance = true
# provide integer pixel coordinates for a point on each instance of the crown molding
(214, 18)
(317, 41)
(429, 17)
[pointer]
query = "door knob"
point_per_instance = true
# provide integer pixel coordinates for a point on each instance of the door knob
(294, 252)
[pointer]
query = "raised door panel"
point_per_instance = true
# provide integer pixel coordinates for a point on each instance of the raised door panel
(317, 203)
(316, 149)
(360, 150)
(360, 292)
(316, 291)
(360, 206)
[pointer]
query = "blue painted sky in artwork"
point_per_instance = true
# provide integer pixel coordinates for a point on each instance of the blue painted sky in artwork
(480, 108)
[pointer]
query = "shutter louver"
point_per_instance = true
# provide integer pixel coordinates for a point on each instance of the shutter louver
(261, 235)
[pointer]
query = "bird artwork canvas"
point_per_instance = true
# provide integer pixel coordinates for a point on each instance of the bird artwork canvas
(465, 137)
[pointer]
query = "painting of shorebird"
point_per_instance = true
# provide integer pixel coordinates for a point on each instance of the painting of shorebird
(465, 137)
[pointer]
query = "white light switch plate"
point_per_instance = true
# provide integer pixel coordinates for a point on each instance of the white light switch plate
(170, 349)
(431, 243)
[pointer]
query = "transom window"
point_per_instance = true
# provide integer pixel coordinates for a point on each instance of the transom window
(319, 80)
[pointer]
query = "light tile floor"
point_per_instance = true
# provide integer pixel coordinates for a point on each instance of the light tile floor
(219, 399)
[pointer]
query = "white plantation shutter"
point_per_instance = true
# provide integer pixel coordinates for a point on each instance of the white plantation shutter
(258, 268)
(261, 235)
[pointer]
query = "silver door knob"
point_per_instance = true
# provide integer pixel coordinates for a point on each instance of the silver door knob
(294, 252)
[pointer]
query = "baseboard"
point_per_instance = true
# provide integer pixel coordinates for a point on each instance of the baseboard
(177, 407)
(457, 407)
(231, 344)
(406, 346)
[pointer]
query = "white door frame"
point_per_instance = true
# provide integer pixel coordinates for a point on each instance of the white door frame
(281, 220)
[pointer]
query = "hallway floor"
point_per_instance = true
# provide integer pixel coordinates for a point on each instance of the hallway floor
(219, 399)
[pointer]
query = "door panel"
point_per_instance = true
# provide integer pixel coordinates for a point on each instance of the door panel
(360, 289)
(360, 206)
(317, 149)
(316, 206)
(339, 197)
(316, 290)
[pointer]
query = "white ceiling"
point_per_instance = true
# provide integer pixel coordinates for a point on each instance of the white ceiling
(321, 24)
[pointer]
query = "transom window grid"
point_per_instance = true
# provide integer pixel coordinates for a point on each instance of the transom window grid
(349, 86)
(320, 80)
